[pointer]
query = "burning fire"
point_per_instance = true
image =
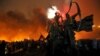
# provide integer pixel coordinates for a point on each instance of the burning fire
(51, 12)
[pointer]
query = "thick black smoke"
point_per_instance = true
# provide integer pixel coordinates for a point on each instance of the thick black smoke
(13, 23)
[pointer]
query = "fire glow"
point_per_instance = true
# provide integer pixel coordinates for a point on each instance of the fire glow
(10, 33)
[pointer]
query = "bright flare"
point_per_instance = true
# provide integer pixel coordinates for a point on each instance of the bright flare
(51, 12)
(94, 26)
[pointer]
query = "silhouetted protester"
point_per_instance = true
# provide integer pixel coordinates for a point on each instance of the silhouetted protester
(48, 46)
(2, 48)
(57, 17)
(9, 49)
(71, 25)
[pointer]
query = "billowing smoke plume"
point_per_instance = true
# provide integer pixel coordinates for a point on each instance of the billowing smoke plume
(15, 26)
(21, 19)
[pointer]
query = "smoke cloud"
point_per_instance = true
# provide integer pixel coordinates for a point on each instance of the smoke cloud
(20, 19)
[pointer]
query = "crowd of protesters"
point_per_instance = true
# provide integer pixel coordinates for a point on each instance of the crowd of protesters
(42, 48)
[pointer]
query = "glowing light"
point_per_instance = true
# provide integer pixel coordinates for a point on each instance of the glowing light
(99, 26)
(28, 38)
(38, 46)
(45, 41)
(51, 12)
(94, 26)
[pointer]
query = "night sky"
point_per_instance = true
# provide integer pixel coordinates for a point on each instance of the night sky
(21, 19)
